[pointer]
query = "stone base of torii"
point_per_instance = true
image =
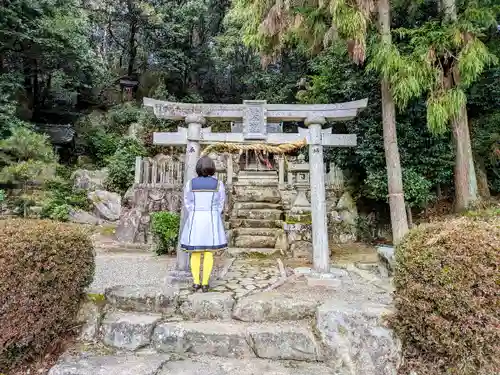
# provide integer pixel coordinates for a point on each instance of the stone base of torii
(255, 115)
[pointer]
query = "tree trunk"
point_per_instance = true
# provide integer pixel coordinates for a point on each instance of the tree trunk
(465, 175)
(410, 216)
(399, 221)
(449, 9)
(482, 179)
(132, 48)
(466, 191)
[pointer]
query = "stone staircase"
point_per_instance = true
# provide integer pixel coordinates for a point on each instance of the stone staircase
(218, 333)
(167, 330)
(265, 325)
(255, 223)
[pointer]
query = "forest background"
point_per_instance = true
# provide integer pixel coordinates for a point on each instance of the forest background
(61, 62)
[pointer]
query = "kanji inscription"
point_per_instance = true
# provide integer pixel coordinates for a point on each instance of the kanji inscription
(254, 122)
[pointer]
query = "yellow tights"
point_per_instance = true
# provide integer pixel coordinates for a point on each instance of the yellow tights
(208, 263)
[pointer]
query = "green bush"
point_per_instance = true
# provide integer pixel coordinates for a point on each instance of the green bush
(62, 197)
(417, 188)
(165, 228)
(100, 145)
(148, 124)
(45, 267)
(122, 164)
(448, 297)
(122, 116)
(28, 159)
(55, 210)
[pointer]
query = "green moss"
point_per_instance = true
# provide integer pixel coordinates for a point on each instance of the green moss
(107, 230)
(96, 298)
(257, 255)
(96, 199)
(490, 212)
(342, 330)
(299, 219)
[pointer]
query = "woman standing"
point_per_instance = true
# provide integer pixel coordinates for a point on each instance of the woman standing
(203, 231)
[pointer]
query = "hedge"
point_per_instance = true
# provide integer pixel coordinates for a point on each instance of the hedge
(45, 267)
(448, 297)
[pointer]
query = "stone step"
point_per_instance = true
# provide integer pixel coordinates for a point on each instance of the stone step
(239, 223)
(128, 331)
(273, 306)
(245, 193)
(342, 327)
(267, 214)
(125, 364)
(257, 206)
(241, 252)
(274, 232)
(208, 365)
(230, 339)
(255, 241)
(206, 306)
(259, 307)
(158, 364)
(163, 299)
(290, 341)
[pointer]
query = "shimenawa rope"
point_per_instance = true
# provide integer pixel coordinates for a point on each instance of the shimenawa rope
(237, 147)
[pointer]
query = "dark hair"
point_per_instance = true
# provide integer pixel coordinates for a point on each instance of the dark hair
(205, 167)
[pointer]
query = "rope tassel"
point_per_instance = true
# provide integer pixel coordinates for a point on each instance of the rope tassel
(238, 147)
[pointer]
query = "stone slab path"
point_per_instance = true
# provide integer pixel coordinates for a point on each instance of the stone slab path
(247, 276)
(139, 267)
(145, 268)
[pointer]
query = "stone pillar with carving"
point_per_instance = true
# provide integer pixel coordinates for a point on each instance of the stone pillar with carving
(321, 251)
(194, 123)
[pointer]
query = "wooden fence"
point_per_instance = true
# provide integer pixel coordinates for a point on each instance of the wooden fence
(164, 170)
(159, 171)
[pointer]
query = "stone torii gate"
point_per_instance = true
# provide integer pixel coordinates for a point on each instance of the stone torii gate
(255, 115)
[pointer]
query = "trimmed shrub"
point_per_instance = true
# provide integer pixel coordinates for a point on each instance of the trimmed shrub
(44, 268)
(165, 227)
(448, 297)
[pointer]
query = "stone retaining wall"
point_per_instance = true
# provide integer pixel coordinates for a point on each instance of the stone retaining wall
(139, 203)
(141, 200)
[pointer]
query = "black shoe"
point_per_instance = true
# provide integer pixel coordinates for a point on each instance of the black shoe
(196, 287)
(204, 288)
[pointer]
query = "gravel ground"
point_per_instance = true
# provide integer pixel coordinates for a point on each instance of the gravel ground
(129, 268)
